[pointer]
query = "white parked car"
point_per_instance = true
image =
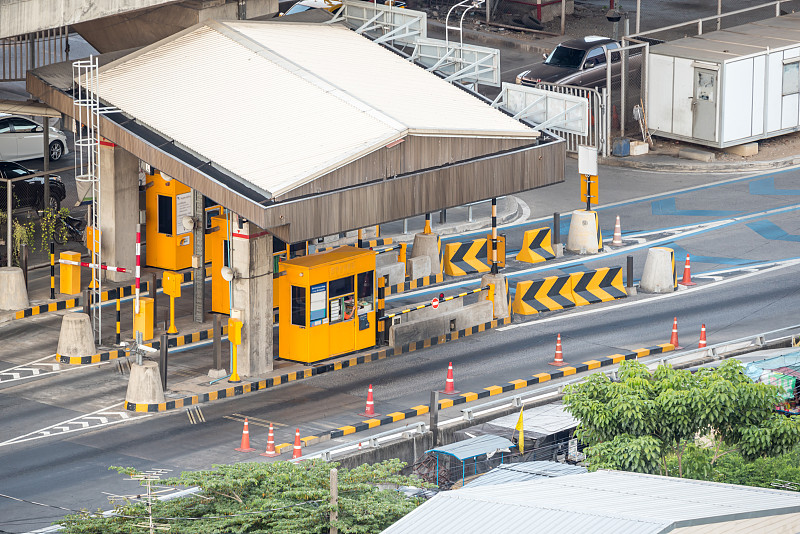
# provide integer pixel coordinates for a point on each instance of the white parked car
(21, 138)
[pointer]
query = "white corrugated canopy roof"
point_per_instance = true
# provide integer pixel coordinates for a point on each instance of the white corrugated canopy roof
(600, 502)
(279, 104)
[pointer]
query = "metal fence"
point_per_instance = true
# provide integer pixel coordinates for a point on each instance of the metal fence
(597, 116)
(24, 52)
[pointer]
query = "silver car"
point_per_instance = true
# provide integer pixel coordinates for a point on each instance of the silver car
(21, 138)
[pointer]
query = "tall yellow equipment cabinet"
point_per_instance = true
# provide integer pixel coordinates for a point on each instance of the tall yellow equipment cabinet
(327, 304)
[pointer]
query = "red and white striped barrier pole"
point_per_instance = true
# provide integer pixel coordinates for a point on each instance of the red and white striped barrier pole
(94, 266)
(138, 272)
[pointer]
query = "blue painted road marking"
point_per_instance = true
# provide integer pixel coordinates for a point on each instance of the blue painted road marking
(667, 207)
(680, 256)
(770, 230)
(766, 186)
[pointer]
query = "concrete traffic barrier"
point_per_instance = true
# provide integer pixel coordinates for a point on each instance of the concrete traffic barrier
(13, 295)
(659, 274)
(464, 258)
(418, 267)
(76, 338)
(537, 246)
(144, 385)
(499, 296)
(548, 294)
(584, 233)
(396, 272)
(429, 245)
(602, 285)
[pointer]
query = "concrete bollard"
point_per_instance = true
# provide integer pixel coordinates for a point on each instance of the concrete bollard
(13, 296)
(418, 267)
(428, 245)
(76, 338)
(500, 301)
(659, 271)
(584, 233)
(144, 385)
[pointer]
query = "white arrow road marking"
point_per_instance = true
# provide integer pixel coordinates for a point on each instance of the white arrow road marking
(103, 415)
(23, 372)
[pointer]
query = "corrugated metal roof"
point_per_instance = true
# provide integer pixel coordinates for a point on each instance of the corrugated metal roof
(541, 420)
(525, 471)
(604, 501)
(279, 104)
(469, 448)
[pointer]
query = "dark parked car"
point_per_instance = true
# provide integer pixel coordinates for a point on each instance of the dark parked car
(580, 62)
(29, 193)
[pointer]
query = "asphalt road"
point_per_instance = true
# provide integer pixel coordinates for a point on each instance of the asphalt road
(733, 226)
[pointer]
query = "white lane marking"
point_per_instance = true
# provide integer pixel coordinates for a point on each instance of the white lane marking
(690, 291)
(80, 423)
(51, 357)
(16, 372)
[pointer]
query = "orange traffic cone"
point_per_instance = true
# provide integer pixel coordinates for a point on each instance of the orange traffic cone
(245, 439)
(673, 340)
(370, 409)
(450, 385)
(297, 452)
(687, 274)
(702, 343)
(559, 359)
(617, 241)
(270, 444)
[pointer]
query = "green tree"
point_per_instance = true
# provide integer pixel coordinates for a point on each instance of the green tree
(640, 421)
(279, 497)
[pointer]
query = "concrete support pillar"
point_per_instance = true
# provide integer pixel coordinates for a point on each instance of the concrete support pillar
(119, 208)
(252, 295)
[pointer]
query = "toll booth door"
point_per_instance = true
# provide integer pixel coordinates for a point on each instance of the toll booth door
(342, 314)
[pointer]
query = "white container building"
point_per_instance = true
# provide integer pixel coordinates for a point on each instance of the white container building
(727, 87)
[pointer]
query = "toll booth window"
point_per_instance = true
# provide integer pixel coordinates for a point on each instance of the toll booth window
(341, 303)
(366, 283)
(164, 215)
(298, 306)
(214, 212)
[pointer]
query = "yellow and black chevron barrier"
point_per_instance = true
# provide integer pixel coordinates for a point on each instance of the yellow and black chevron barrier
(536, 296)
(464, 258)
(602, 285)
(537, 246)
(567, 291)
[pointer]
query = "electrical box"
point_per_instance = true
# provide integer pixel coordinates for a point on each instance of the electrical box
(235, 331)
(171, 283)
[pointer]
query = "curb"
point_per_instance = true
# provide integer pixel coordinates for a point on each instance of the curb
(743, 166)
(178, 341)
(491, 391)
(313, 371)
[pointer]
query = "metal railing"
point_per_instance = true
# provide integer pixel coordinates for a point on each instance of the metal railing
(20, 54)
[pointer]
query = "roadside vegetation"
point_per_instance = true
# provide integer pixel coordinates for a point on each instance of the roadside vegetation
(279, 497)
(715, 424)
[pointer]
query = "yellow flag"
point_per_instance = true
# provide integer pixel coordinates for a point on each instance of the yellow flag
(521, 438)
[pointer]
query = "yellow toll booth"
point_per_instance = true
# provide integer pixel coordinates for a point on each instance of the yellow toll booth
(327, 304)
(169, 244)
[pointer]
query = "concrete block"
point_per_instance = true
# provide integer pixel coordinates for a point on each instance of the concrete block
(418, 267)
(584, 235)
(144, 385)
(418, 330)
(747, 149)
(658, 275)
(639, 148)
(428, 245)
(13, 296)
(396, 272)
(76, 338)
(429, 313)
(500, 293)
(217, 373)
(697, 154)
(558, 248)
(387, 258)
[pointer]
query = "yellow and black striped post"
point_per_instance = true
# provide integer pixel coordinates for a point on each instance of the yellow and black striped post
(52, 270)
(494, 235)
(381, 329)
(118, 316)
(427, 229)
